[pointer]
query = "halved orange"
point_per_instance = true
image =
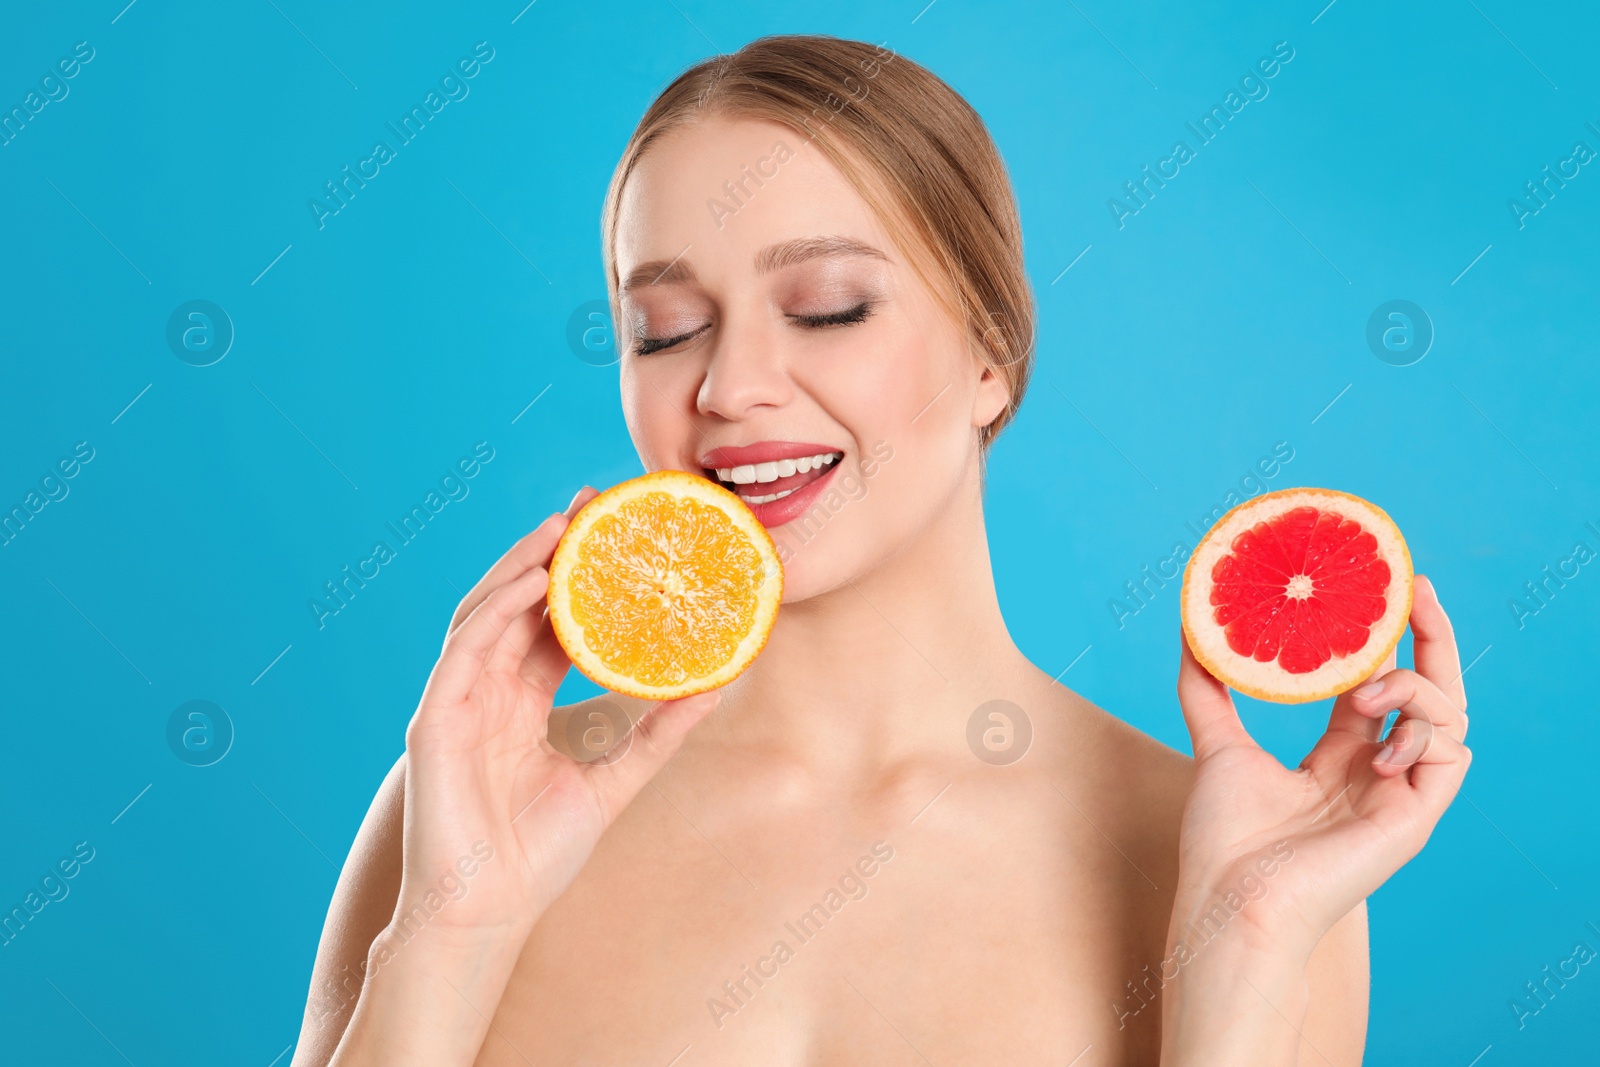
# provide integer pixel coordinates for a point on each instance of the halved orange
(664, 586)
(1297, 595)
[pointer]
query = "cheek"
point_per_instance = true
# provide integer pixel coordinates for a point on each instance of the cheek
(654, 424)
(927, 401)
(876, 386)
(909, 393)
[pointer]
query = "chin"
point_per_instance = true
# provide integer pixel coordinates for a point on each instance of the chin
(848, 549)
(824, 547)
(813, 570)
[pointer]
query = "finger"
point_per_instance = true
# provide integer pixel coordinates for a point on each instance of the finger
(533, 550)
(1415, 697)
(1434, 643)
(1208, 708)
(655, 738)
(521, 650)
(1437, 776)
(1407, 744)
(545, 663)
(525, 639)
(1436, 761)
(467, 651)
(1351, 716)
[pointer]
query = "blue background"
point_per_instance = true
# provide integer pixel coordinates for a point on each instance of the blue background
(372, 353)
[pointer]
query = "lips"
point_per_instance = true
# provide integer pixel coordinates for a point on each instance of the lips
(762, 452)
(779, 480)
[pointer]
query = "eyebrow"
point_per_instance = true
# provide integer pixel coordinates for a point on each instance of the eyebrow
(769, 259)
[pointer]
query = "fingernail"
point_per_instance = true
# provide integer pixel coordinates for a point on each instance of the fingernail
(1371, 689)
(1390, 752)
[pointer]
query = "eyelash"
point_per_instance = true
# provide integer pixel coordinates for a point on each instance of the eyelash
(848, 317)
(644, 346)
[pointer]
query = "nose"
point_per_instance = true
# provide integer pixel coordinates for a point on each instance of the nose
(745, 372)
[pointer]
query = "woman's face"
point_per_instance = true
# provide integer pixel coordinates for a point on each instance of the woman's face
(766, 317)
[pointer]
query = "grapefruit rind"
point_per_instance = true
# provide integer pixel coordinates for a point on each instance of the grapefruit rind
(1210, 645)
(569, 633)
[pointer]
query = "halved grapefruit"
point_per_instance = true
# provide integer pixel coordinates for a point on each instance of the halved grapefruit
(664, 586)
(1297, 595)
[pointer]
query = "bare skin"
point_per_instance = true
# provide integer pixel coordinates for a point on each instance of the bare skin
(980, 913)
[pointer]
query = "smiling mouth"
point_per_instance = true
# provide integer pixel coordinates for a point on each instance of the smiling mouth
(764, 483)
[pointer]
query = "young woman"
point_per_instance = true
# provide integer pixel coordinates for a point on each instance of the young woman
(813, 251)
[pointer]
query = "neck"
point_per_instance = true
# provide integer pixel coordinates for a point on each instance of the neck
(887, 666)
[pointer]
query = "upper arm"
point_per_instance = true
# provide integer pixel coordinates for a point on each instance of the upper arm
(363, 903)
(1338, 981)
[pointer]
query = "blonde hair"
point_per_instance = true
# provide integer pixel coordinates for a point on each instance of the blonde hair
(911, 145)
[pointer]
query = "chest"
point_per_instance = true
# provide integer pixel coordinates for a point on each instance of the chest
(839, 937)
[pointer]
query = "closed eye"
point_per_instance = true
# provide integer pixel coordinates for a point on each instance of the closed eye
(848, 317)
(644, 346)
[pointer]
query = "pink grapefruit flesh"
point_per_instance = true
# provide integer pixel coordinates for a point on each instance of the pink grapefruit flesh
(1297, 595)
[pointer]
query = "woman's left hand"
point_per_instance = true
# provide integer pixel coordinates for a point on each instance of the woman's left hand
(1353, 812)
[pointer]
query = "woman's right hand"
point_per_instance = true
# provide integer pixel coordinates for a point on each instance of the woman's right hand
(497, 822)
(482, 779)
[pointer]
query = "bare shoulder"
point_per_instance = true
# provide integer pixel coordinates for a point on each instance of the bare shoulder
(1120, 749)
(369, 883)
(1125, 778)
(363, 902)
(1139, 787)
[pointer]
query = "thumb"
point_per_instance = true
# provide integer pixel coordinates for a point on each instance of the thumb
(1208, 708)
(655, 738)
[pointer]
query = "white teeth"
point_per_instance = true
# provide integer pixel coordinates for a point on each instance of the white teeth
(812, 463)
(765, 499)
(769, 472)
